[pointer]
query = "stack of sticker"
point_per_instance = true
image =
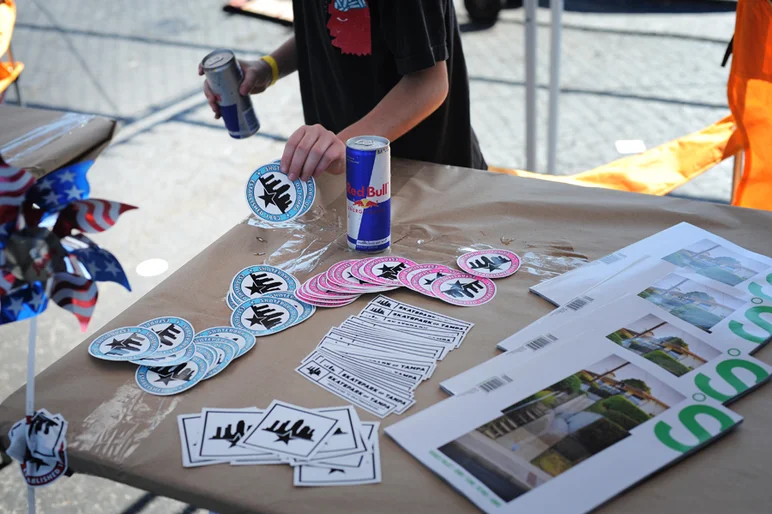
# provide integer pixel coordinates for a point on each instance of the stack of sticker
(275, 198)
(170, 357)
(377, 359)
(328, 446)
(345, 281)
(263, 301)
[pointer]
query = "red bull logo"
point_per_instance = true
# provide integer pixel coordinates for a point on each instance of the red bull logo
(365, 203)
(367, 192)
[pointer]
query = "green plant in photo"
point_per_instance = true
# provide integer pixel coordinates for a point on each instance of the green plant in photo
(668, 363)
(552, 462)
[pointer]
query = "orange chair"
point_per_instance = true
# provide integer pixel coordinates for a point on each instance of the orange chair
(746, 134)
(9, 69)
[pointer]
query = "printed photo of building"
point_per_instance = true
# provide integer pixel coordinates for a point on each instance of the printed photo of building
(559, 427)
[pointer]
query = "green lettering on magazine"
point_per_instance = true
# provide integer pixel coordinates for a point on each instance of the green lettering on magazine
(726, 370)
(756, 290)
(688, 417)
(754, 315)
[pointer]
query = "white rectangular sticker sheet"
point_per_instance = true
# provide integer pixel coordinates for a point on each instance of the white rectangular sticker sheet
(588, 410)
(366, 471)
(684, 245)
(715, 366)
(291, 431)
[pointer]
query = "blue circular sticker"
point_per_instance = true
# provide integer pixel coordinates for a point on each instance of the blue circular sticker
(255, 281)
(124, 344)
(181, 356)
(206, 353)
(168, 380)
(264, 316)
(310, 192)
(244, 339)
(272, 196)
(175, 334)
(305, 310)
(231, 301)
(225, 350)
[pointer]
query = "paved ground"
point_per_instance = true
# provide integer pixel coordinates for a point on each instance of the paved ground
(639, 69)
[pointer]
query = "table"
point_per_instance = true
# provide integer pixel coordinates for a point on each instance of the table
(120, 433)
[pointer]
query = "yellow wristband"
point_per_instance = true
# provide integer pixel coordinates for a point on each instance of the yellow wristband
(274, 68)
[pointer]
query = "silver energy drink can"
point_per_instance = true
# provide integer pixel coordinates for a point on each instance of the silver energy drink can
(368, 193)
(224, 76)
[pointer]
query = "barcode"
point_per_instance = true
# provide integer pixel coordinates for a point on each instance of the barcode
(612, 258)
(495, 383)
(578, 303)
(541, 342)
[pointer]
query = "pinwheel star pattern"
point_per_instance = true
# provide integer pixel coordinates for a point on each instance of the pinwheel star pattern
(63, 261)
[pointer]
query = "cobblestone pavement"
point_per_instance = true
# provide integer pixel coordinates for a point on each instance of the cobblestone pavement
(646, 70)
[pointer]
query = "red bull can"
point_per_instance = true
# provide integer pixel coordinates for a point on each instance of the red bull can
(368, 193)
(224, 76)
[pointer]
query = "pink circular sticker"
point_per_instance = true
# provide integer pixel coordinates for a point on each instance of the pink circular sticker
(489, 263)
(319, 303)
(340, 274)
(325, 286)
(382, 270)
(464, 290)
(423, 280)
(403, 277)
(314, 288)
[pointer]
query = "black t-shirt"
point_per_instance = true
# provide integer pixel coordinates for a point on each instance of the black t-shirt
(351, 53)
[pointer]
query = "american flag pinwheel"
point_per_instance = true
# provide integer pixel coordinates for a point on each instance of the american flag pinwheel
(44, 252)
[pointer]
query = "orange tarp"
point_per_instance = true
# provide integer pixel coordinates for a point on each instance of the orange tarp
(660, 170)
(750, 99)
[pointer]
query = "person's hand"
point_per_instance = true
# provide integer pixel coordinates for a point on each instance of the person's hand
(257, 78)
(312, 150)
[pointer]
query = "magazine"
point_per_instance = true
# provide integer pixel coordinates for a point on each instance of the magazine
(686, 246)
(701, 362)
(531, 442)
(719, 309)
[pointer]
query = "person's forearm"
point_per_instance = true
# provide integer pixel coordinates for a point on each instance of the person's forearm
(286, 57)
(411, 101)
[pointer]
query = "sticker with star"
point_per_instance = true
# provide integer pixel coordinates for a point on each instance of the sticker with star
(305, 310)
(327, 302)
(366, 471)
(464, 290)
(272, 196)
(316, 287)
(224, 349)
(244, 339)
(181, 356)
(404, 276)
(264, 316)
(422, 280)
(255, 281)
(342, 280)
(175, 334)
(207, 354)
(291, 431)
(223, 431)
(124, 344)
(190, 426)
(489, 263)
(381, 270)
(310, 195)
(169, 380)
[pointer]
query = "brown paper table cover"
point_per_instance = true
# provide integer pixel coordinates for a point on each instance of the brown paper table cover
(41, 140)
(118, 432)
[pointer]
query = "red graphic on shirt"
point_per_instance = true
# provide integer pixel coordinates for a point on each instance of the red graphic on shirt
(350, 30)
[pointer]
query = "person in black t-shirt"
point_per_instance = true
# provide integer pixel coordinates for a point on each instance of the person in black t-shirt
(391, 68)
